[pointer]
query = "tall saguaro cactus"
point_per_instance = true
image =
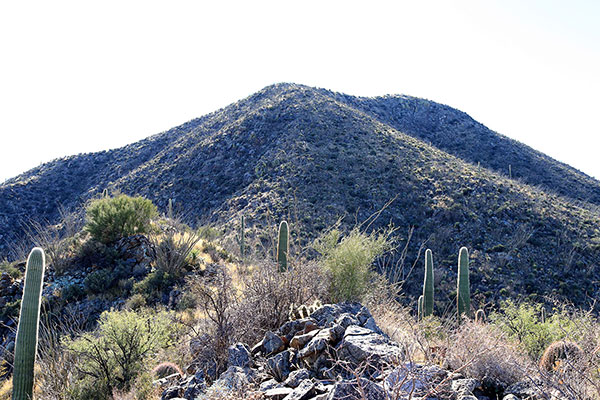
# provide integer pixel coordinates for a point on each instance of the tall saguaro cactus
(27, 331)
(428, 285)
(283, 246)
(463, 292)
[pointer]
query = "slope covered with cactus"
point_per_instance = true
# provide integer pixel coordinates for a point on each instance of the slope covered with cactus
(310, 156)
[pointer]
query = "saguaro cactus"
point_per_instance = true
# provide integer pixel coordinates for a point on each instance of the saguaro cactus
(240, 238)
(283, 246)
(463, 292)
(428, 285)
(27, 331)
(170, 209)
(420, 308)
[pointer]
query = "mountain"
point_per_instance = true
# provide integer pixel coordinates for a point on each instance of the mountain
(310, 156)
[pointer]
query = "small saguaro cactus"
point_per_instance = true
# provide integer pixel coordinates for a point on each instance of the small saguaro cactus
(428, 285)
(543, 316)
(170, 209)
(283, 246)
(105, 193)
(27, 331)
(240, 238)
(463, 292)
(480, 316)
(420, 308)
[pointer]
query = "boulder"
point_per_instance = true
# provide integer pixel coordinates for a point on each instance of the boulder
(278, 366)
(360, 345)
(238, 355)
(362, 388)
(272, 344)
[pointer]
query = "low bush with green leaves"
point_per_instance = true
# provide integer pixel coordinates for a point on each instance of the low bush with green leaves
(522, 322)
(349, 260)
(112, 356)
(111, 218)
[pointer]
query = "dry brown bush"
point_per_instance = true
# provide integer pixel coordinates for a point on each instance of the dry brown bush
(268, 294)
(482, 352)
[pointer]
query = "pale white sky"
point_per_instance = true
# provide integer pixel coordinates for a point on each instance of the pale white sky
(78, 76)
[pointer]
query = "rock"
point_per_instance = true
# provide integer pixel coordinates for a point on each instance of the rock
(278, 393)
(278, 366)
(302, 392)
(372, 325)
(466, 397)
(171, 393)
(272, 343)
(299, 341)
(328, 313)
(523, 390)
(295, 377)
(236, 378)
(510, 397)
(363, 389)
(345, 320)
(195, 385)
(238, 355)
(361, 344)
(465, 386)
(292, 328)
(320, 341)
(270, 384)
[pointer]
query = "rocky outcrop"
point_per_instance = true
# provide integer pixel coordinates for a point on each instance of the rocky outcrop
(339, 352)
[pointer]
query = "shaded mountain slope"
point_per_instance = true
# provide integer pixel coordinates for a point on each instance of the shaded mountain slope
(294, 152)
(458, 134)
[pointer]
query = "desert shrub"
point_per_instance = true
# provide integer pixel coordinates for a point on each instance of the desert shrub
(111, 218)
(154, 285)
(98, 281)
(480, 351)
(135, 302)
(522, 323)
(209, 233)
(58, 240)
(349, 260)
(72, 292)
(112, 356)
(11, 269)
(268, 294)
(173, 249)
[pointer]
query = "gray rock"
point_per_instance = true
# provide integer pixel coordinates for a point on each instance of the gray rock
(510, 397)
(272, 343)
(238, 355)
(295, 377)
(302, 392)
(352, 390)
(236, 378)
(270, 384)
(299, 341)
(465, 386)
(361, 344)
(278, 366)
(278, 393)
(345, 320)
(522, 390)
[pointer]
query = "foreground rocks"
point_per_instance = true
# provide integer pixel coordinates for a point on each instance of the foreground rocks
(339, 352)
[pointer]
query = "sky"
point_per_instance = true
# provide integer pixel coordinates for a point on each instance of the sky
(79, 77)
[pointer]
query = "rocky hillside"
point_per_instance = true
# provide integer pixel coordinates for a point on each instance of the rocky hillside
(311, 156)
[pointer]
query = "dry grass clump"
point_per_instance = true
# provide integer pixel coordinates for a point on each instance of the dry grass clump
(480, 351)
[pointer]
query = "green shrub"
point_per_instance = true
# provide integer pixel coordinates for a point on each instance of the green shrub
(109, 219)
(154, 285)
(523, 323)
(98, 281)
(349, 260)
(112, 356)
(11, 269)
